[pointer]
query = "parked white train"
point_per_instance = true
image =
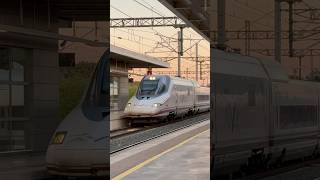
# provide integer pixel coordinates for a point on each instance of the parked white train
(161, 97)
(79, 147)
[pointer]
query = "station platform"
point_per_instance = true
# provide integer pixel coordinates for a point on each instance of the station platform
(23, 166)
(189, 159)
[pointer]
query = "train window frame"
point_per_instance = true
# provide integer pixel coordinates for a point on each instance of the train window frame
(202, 97)
(161, 82)
(289, 116)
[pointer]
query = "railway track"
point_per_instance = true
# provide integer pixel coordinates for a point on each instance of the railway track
(132, 137)
(132, 130)
(124, 132)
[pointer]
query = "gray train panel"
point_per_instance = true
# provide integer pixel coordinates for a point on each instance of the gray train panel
(259, 115)
(241, 102)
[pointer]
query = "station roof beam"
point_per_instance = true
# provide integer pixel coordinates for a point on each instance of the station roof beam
(82, 10)
(193, 12)
(136, 60)
(146, 22)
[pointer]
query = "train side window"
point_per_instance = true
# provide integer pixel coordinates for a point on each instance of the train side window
(203, 97)
(297, 116)
(251, 96)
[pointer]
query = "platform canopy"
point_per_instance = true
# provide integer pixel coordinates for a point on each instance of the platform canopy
(195, 13)
(82, 10)
(136, 60)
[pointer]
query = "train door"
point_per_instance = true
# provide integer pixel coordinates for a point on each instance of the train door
(175, 96)
(275, 106)
(181, 99)
(194, 100)
(191, 98)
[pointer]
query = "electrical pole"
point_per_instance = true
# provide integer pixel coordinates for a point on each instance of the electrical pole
(221, 6)
(201, 70)
(290, 28)
(312, 66)
(277, 30)
(180, 49)
(247, 39)
(300, 74)
(187, 73)
(197, 62)
(291, 34)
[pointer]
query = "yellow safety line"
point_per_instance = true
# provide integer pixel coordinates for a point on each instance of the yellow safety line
(135, 168)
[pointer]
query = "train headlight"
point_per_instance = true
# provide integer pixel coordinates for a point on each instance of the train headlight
(156, 105)
(129, 104)
(59, 137)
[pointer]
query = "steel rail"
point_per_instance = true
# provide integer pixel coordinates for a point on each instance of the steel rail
(165, 133)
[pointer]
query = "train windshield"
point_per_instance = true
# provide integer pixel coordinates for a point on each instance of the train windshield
(95, 105)
(148, 87)
(152, 86)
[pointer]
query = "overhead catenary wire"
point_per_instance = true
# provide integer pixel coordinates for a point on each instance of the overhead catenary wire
(258, 11)
(170, 39)
(151, 8)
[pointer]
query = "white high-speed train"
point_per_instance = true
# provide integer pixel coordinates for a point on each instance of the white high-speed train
(261, 118)
(79, 146)
(162, 97)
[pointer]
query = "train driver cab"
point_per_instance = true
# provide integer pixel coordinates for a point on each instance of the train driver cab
(152, 86)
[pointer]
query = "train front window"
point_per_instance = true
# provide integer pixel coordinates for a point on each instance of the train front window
(152, 86)
(148, 87)
(95, 106)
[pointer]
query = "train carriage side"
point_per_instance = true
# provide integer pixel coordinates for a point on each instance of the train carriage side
(293, 115)
(184, 92)
(202, 99)
(260, 116)
(296, 122)
(160, 97)
(241, 116)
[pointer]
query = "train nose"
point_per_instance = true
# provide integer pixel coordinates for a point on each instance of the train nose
(141, 110)
(77, 159)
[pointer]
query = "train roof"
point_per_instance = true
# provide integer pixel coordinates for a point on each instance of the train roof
(274, 70)
(182, 81)
(237, 64)
(309, 84)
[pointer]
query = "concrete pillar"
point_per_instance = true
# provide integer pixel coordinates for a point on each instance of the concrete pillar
(123, 92)
(44, 98)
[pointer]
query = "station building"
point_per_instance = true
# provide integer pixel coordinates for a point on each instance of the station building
(121, 61)
(71, 53)
(29, 66)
